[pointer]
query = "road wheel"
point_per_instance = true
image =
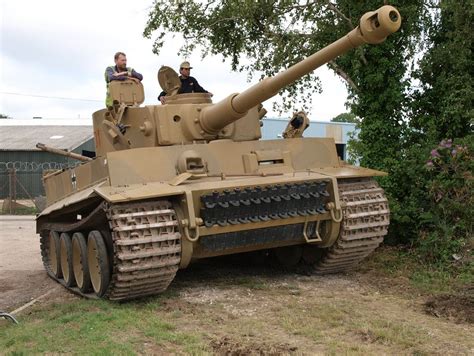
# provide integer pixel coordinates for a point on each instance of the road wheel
(79, 262)
(98, 263)
(66, 259)
(54, 254)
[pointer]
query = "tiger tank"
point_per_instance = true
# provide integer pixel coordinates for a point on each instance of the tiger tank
(192, 179)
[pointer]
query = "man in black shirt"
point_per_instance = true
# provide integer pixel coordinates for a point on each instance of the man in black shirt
(188, 84)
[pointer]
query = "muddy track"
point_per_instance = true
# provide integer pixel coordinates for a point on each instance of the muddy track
(364, 225)
(146, 249)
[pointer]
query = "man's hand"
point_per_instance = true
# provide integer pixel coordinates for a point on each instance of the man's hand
(134, 79)
(120, 74)
(163, 99)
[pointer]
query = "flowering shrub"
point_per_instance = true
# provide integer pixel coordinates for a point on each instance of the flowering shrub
(451, 212)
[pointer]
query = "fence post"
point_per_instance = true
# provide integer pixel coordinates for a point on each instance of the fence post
(12, 188)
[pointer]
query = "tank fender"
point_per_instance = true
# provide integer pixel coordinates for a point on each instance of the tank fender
(72, 199)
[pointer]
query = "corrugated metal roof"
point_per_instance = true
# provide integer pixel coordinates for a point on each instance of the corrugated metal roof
(25, 138)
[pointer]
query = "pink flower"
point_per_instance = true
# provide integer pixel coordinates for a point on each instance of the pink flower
(435, 153)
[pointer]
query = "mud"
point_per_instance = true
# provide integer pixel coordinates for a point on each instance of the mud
(457, 308)
(227, 346)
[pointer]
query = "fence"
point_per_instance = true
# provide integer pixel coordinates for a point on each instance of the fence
(23, 180)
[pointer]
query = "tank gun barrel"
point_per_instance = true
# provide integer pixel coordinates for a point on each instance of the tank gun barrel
(79, 157)
(374, 27)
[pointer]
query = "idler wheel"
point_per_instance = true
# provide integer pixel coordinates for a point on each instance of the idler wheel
(79, 262)
(289, 256)
(54, 254)
(66, 259)
(98, 263)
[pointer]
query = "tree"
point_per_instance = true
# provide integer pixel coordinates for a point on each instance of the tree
(2, 116)
(275, 34)
(345, 117)
(443, 105)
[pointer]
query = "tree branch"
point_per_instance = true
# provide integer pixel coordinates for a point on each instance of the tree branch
(333, 7)
(337, 11)
(343, 75)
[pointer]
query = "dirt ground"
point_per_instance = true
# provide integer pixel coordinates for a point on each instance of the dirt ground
(253, 309)
(22, 277)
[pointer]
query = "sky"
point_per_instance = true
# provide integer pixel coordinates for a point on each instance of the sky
(60, 49)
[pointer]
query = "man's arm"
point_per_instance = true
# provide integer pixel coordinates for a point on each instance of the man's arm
(112, 75)
(136, 75)
(197, 87)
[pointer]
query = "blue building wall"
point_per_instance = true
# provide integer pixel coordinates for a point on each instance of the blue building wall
(273, 128)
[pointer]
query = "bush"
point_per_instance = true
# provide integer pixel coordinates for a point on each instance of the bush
(447, 234)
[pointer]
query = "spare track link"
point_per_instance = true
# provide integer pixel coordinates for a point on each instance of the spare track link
(365, 223)
(146, 249)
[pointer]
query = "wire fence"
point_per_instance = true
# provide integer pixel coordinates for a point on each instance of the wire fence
(28, 177)
(25, 167)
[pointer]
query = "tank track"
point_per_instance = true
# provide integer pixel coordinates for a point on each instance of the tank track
(365, 223)
(146, 249)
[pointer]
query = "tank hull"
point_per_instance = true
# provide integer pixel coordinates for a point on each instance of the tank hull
(248, 196)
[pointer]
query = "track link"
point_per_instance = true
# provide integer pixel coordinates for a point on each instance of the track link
(146, 249)
(365, 223)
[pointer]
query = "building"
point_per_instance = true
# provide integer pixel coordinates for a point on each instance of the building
(18, 152)
(18, 139)
(273, 128)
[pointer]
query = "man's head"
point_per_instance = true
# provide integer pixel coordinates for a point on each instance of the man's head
(120, 60)
(185, 69)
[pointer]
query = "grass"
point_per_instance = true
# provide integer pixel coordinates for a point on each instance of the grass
(256, 310)
(251, 283)
(424, 278)
(319, 321)
(97, 327)
(27, 210)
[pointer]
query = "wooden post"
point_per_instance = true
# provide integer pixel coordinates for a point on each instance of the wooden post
(12, 188)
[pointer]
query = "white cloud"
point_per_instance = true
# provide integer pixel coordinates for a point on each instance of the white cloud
(61, 48)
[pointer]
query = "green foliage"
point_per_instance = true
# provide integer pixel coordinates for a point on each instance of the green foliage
(345, 117)
(407, 191)
(443, 105)
(451, 201)
(381, 77)
(429, 207)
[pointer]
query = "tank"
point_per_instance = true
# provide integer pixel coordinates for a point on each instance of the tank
(191, 179)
